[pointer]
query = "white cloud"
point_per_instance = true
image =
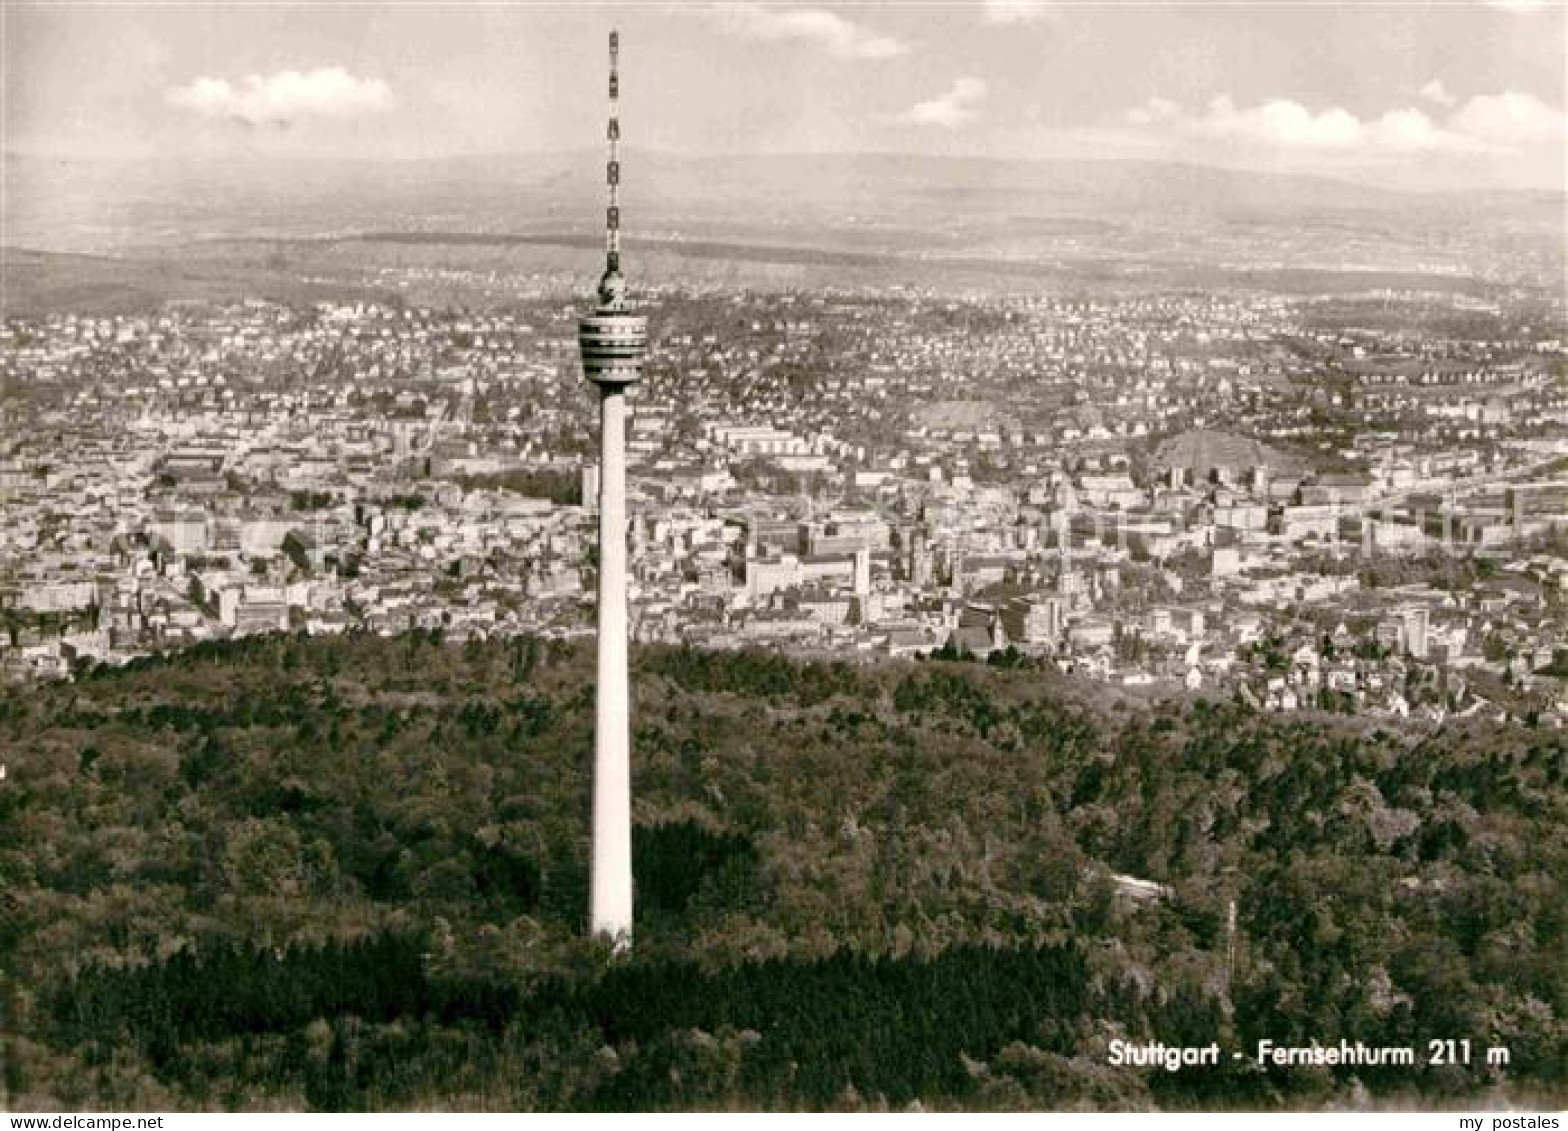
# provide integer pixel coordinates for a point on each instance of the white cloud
(1506, 122)
(1510, 119)
(1280, 122)
(284, 97)
(950, 110)
(1015, 11)
(1436, 92)
(828, 30)
(1406, 130)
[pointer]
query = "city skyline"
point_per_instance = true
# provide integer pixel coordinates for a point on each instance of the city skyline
(1422, 97)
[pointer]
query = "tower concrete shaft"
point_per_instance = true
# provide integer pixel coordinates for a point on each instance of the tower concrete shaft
(610, 911)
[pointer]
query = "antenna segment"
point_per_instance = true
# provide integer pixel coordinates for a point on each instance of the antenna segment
(612, 288)
(612, 216)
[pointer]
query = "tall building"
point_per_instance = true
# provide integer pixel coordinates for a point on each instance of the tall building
(1415, 620)
(613, 341)
(863, 571)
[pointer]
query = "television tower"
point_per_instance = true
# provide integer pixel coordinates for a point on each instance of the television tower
(614, 342)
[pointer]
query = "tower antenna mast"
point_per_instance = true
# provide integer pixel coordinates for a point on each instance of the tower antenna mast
(612, 287)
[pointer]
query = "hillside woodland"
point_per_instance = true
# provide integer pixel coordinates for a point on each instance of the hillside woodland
(350, 874)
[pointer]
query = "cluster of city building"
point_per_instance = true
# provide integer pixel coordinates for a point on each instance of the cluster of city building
(1199, 492)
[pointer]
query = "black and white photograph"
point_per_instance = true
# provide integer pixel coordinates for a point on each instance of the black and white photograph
(870, 557)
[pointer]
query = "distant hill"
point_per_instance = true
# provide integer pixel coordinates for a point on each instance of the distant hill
(944, 208)
(782, 182)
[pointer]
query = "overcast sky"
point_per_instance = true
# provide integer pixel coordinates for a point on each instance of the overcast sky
(1418, 94)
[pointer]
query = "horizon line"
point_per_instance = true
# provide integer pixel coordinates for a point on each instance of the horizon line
(1335, 177)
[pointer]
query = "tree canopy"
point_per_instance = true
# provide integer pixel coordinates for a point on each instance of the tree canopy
(350, 873)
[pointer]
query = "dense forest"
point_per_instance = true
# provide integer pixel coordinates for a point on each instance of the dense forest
(351, 873)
